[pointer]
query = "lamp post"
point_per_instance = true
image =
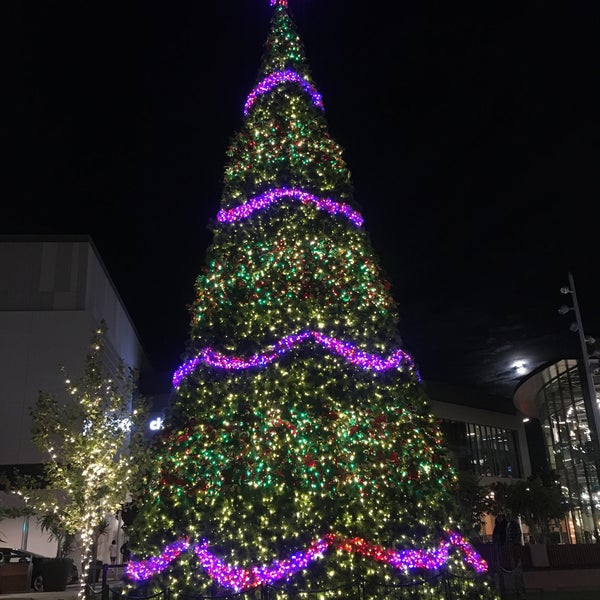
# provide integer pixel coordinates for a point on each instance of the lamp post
(589, 392)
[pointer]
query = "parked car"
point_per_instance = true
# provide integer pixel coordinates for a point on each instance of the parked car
(12, 555)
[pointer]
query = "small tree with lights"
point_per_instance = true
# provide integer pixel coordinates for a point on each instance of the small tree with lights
(300, 451)
(93, 437)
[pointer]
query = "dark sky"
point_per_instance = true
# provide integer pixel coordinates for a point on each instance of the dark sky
(471, 134)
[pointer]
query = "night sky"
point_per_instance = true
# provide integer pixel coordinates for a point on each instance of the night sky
(471, 133)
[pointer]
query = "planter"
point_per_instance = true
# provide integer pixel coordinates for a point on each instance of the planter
(56, 573)
(14, 577)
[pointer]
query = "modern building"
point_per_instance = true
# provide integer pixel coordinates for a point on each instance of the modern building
(554, 398)
(54, 292)
(491, 442)
(485, 435)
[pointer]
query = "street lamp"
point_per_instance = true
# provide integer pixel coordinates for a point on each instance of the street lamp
(588, 389)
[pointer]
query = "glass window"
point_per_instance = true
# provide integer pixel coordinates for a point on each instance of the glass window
(569, 447)
(489, 451)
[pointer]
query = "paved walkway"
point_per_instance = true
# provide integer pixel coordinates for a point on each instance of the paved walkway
(69, 594)
(545, 585)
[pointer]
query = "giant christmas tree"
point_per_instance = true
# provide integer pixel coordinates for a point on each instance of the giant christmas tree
(300, 450)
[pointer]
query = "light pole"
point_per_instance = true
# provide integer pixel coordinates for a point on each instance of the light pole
(589, 392)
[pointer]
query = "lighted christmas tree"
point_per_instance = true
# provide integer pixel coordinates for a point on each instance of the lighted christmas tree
(300, 450)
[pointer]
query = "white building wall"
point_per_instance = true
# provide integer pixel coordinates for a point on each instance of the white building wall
(53, 294)
(33, 346)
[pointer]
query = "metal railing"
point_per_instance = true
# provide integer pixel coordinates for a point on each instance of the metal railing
(442, 586)
(505, 575)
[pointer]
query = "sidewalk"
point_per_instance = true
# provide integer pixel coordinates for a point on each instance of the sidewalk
(69, 594)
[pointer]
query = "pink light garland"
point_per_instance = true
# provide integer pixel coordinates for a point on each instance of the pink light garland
(243, 211)
(346, 350)
(278, 78)
(240, 578)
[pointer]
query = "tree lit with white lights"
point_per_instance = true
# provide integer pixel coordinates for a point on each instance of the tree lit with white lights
(93, 439)
(300, 451)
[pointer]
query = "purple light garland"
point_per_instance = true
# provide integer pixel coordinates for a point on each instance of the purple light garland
(346, 350)
(143, 570)
(243, 579)
(243, 211)
(277, 78)
(239, 578)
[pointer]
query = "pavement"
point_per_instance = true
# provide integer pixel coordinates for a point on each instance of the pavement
(543, 584)
(69, 594)
(531, 594)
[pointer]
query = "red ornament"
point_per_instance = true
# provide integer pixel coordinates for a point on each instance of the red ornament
(309, 461)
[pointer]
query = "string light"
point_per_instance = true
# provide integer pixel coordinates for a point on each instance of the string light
(278, 78)
(240, 578)
(263, 450)
(143, 570)
(346, 350)
(270, 197)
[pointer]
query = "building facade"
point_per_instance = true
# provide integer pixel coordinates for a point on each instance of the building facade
(485, 436)
(54, 292)
(555, 397)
